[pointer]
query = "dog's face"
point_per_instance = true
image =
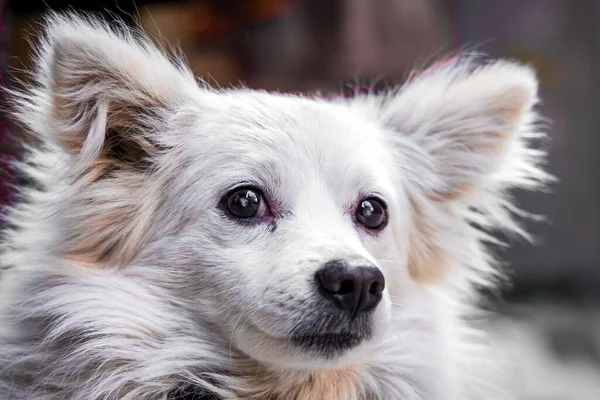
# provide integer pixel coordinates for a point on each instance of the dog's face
(294, 225)
(291, 206)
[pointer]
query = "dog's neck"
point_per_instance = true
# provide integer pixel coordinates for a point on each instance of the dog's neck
(334, 384)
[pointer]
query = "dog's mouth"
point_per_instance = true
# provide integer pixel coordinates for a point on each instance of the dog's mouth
(316, 342)
(328, 343)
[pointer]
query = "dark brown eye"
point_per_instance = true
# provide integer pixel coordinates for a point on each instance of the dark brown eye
(371, 213)
(246, 203)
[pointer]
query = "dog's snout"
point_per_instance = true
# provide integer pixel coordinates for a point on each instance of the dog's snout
(353, 289)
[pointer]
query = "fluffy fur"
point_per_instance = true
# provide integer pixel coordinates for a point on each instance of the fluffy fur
(123, 278)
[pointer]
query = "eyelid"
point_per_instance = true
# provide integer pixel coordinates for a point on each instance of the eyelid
(243, 185)
(374, 195)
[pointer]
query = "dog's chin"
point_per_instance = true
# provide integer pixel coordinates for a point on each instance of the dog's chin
(329, 344)
(307, 350)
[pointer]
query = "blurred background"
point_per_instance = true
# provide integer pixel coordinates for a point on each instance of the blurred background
(549, 317)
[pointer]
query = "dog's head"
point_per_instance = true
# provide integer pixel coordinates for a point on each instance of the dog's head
(294, 225)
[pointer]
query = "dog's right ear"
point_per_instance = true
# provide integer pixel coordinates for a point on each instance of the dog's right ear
(101, 91)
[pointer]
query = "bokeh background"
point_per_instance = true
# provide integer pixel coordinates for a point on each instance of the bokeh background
(549, 317)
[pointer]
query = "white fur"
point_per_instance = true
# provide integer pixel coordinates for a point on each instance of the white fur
(127, 281)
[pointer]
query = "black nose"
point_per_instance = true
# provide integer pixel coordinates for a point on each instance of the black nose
(353, 289)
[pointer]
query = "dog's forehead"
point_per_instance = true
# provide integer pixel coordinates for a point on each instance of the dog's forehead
(298, 131)
(289, 141)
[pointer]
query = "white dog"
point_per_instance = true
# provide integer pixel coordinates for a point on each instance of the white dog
(187, 242)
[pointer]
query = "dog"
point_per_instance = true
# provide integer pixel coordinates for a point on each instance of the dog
(187, 242)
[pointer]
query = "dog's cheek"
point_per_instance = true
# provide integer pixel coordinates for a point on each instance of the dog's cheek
(387, 250)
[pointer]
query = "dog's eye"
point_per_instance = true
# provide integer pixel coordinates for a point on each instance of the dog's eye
(246, 203)
(371, 213)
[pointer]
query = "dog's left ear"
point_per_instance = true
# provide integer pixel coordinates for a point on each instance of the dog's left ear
(471, 123)
(461, 137)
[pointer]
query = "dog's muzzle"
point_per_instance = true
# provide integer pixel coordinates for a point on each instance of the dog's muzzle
(348, 296)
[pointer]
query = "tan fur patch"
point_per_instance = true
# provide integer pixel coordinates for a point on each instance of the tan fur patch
(329, 384)
(506, 109)
(115, 214)
(427, 261)
(464, 191)
(334, 385)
